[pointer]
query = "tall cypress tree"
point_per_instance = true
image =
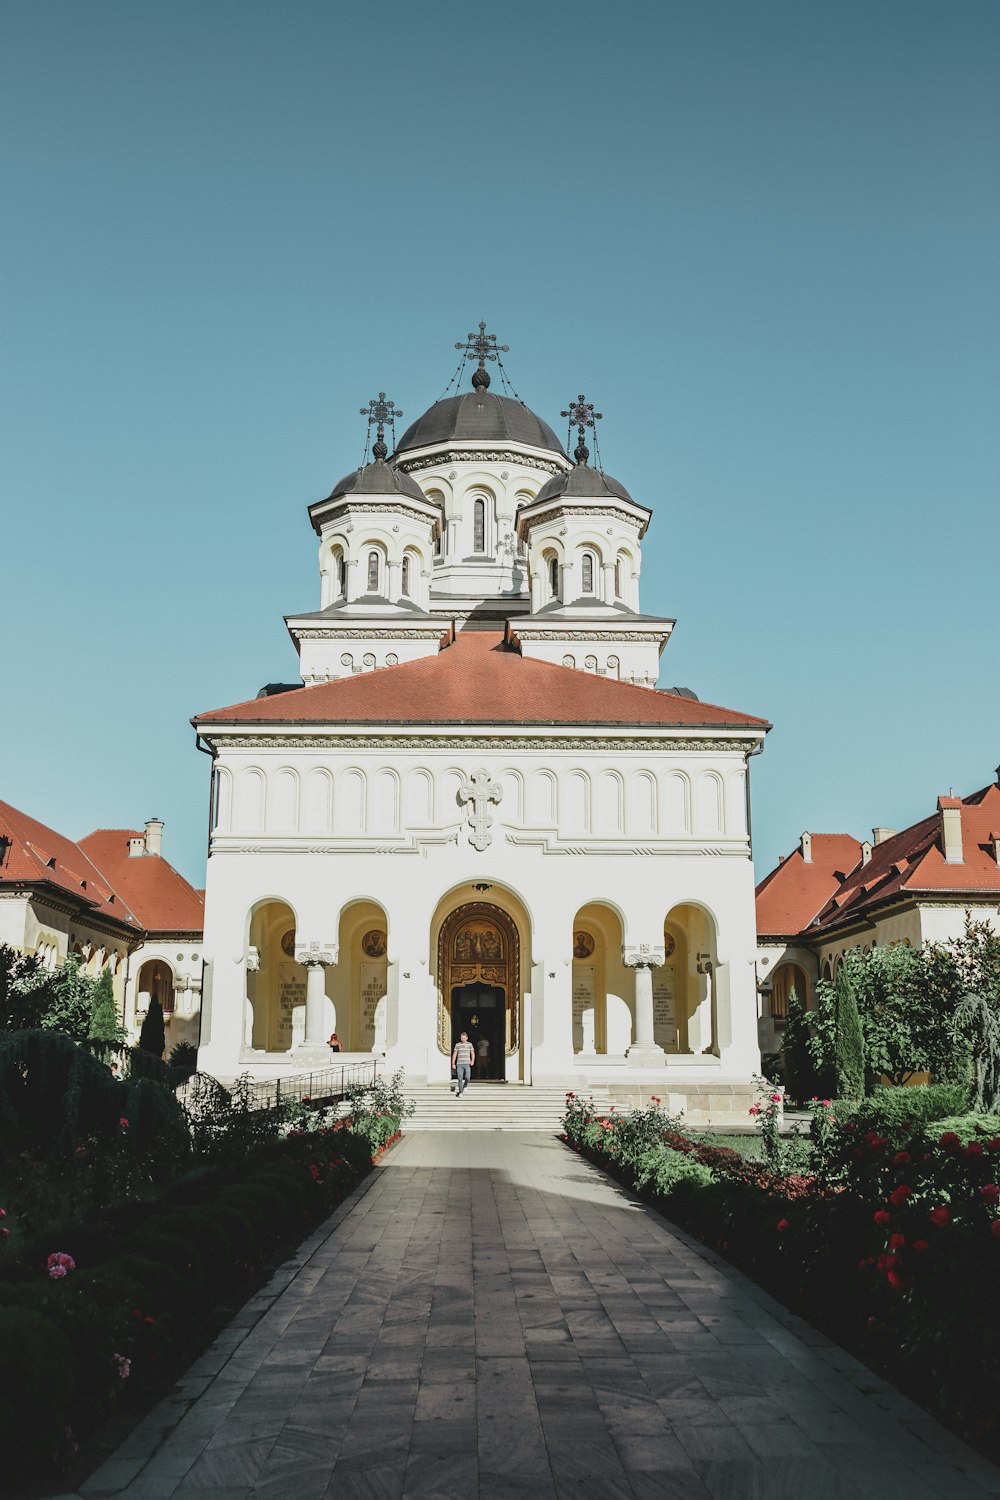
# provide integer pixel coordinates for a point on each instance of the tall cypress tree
(153, 1037)
(849, 1044)
(104, 1023)
(800, 1075)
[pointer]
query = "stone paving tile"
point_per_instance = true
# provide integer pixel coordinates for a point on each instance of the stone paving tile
(488, 1316)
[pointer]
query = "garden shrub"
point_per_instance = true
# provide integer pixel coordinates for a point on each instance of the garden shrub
(36, 1389)
(661, 1169)
(891, 1108)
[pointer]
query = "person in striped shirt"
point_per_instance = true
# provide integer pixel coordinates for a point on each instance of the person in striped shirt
(462, 1059)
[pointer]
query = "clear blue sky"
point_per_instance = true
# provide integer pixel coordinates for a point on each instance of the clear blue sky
(763, 237)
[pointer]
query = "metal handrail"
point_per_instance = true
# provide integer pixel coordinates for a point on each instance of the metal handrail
(325, 1086)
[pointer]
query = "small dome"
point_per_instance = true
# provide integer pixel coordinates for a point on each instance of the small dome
(378, 478)
(479, 417)
(584, 483)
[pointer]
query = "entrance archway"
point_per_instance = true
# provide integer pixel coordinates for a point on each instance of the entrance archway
(479, 981)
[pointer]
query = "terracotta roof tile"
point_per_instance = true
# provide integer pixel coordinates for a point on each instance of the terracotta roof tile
(793, 894)
(158, 894)
(478, 679)
(38, 855)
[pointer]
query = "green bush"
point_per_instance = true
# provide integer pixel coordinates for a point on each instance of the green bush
(36, 1389)
(891, 1109)
(968, 1127)
(661, 1169)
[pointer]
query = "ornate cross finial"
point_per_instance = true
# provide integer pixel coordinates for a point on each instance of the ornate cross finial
(381, 409)
(477, 792)
(482, 346)
(582, 415)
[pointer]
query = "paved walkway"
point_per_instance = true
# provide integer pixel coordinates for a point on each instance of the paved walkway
(490, 1316)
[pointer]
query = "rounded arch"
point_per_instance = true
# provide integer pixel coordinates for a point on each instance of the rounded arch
(359, 985)
(711, 803)
(351, 802)
(602, 1016)
(283, 801)
(578, 802)
(481, 948)
(676, 802)
(788, 976)
(274, 1015)
(643, 809)
(155, 981)
(691, 945)
(610, 811)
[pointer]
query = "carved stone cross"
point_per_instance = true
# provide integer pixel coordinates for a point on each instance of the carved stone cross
(477, 792)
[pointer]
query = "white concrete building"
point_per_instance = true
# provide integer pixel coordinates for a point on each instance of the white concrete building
(479, 812)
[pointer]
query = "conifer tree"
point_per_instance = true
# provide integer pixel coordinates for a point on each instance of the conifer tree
(800, 1075)
(104, 1023)
(849, 1043)
(153, 1037)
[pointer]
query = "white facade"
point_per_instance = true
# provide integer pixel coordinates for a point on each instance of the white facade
(580, 892)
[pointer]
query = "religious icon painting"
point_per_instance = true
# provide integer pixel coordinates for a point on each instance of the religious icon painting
(668, 944)
(374, 943)
(288, 943)
(583, 945)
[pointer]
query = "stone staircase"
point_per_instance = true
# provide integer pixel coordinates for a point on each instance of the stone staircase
(487, 1106)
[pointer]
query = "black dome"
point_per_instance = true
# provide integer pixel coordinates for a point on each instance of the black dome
(378, 478)
(479, 417)
(583, 481)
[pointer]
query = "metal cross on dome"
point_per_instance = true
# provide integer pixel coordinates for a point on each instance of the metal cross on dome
(482, 346)
(582, 415)
(380, 410)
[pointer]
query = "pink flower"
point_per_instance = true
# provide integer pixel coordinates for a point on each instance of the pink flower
(123, 1122)
(4, 1233)
(775, 1098)
(124, 1366)
(781, 1225)
(754, 1109)
(58, 1264)
(3, 1213)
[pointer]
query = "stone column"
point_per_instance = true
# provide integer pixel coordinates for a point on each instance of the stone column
(395, 588)
(609, 582)
(644, 958)
(315, 957)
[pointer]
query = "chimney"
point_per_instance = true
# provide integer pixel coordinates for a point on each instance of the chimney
(879, 835)
(154, 835)
(866, 851)
(806, 845)
(136, 847)
(950, 809)
(994, 839)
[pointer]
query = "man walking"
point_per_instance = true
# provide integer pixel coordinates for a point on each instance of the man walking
(461, 1060)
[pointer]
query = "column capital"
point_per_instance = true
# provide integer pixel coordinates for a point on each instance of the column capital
(316, 953)
(643, 955)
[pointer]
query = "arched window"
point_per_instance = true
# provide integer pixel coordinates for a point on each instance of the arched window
(341, 575)
(554, 577)
(406, 575)
(373, 572)
(587, 569)
(618, 578)
(479, 526)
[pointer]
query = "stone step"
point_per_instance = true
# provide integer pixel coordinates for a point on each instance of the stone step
(487, 1106)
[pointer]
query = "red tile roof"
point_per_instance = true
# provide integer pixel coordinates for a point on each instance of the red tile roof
(40, 856)
(793, 894)
(158, 894)
(796, 896)
(478, 679)
(913, 861)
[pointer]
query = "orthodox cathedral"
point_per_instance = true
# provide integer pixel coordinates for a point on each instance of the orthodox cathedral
(478, 812)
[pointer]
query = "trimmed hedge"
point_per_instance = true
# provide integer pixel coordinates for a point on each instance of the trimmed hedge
(150, 1282)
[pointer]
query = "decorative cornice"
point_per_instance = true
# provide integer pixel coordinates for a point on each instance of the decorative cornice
(482, 743)
(644, 955)
(558, 632)
(480, 456)
(358, 631)
(575, 510)
(393, 506)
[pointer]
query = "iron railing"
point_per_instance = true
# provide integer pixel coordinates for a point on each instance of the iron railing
(324, 1086)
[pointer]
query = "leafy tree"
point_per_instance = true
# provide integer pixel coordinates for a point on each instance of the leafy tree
(801, 1081)
(22, 1004)
(61, 999)
(153, 1037)
(977, 1024)
(104, 1023)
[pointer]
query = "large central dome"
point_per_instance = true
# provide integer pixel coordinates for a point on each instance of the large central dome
(478, 417)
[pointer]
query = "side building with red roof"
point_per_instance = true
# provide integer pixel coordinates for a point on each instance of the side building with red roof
(478, 812)
(112, 901)
(833, 893)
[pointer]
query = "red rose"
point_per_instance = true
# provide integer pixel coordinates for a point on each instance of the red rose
(899, 1195)
(897, 1241)
(974, 1148)
(990, 1193)
(894, 1277)
(850, 1125)
(949, 1141)
(901, 1158)
(995, 1229)
(941, 1216)
(781, 1225)
(921, 1245)
(881, 1217)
